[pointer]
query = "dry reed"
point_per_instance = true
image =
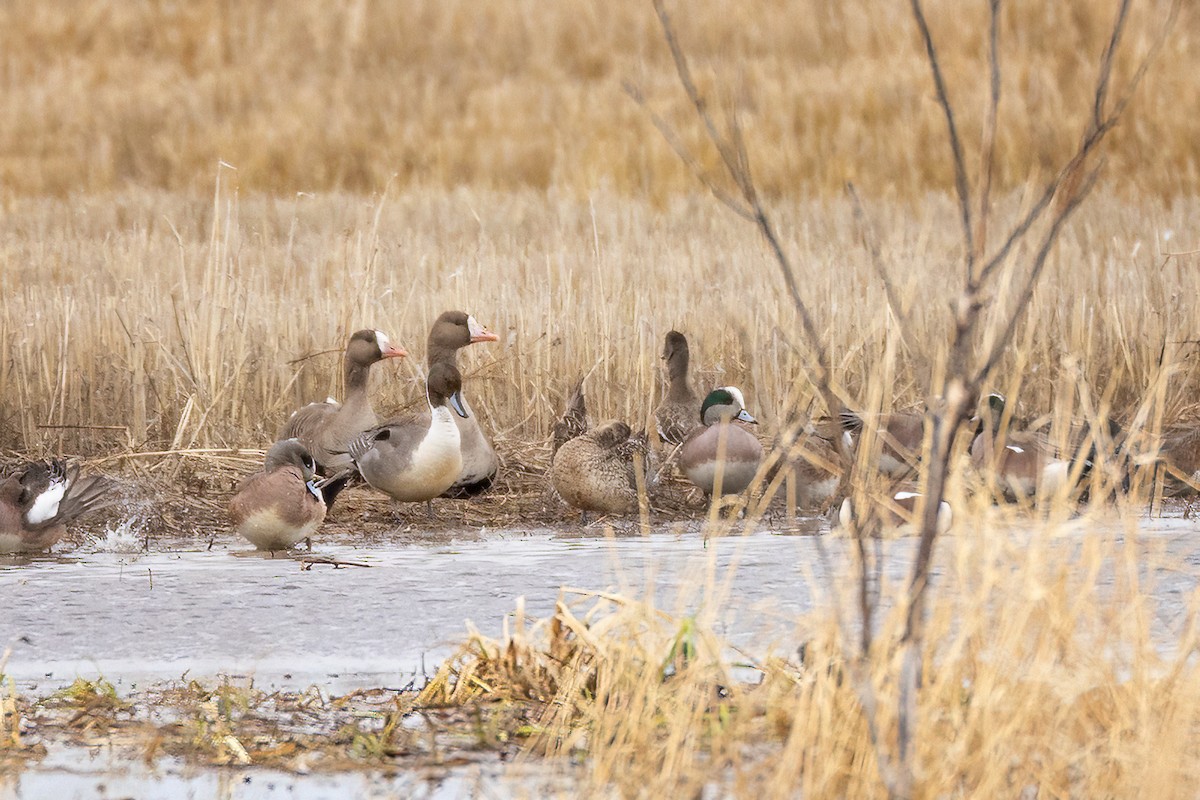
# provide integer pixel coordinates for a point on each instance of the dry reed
(154, 323)
(1051, 670)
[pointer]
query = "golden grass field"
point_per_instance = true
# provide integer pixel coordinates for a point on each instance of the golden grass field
(200, 202)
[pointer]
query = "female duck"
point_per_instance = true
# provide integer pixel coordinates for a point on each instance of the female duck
(595, 471)
(414, 460)
(676, 414)
(282, 504)
(326, 429)
(37, 503)
(721, 448)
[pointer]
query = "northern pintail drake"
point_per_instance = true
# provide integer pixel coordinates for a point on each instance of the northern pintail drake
(676, 416)
(326, 429)
(413, 460)
(451, 332)
(898, 513)
(722, 448)
(1022, 463)
(283, 503)
(37, 504)
(595, 471)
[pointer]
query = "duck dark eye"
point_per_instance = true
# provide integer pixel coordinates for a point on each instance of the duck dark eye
(309, 463)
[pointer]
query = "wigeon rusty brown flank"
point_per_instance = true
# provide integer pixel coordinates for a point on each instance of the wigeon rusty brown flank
(414, 460)
(722, 447)
(326, 429)
(901, 437)
(283, 503)
(38, 502)
(678, 414)
(1022, 463)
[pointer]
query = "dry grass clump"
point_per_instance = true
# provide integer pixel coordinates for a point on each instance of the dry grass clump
(1049, 671)
(520, 95)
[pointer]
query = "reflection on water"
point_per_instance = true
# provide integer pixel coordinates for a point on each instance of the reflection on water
(79, 773)
(135, 618)
(141, 618)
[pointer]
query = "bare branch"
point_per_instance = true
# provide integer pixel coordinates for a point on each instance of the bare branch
(732, 150)
(872, 245)
(1106, 63)
(961, 184)
(988, 147)
(690, 161)
(1000, 345)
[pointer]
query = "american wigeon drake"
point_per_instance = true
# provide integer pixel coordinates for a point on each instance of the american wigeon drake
(415, 460)
(721, 446)
(452, 331)
(1022, 463)
(595, 471)
(38, 502)
(283, 503)
(898, 513)
(676, 416)
(901, 436)
(326, 429)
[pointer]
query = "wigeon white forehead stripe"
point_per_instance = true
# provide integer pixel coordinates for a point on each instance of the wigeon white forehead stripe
(382, 341)
(1015, 449)
(737, 395)
(473, 326)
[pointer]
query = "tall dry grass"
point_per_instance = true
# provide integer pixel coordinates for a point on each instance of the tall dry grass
(1055, 666)
(311, 96)
(154, 321)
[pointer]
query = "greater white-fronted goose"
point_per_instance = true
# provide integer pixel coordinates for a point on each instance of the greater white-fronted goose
(38, 502)
(326, 429)
(283, 503)
(678, 414)
(413, 460)
(721, 447)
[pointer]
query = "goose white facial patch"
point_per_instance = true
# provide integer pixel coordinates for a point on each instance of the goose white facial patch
(473, 327)
(1014, 448)
(382, 341)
